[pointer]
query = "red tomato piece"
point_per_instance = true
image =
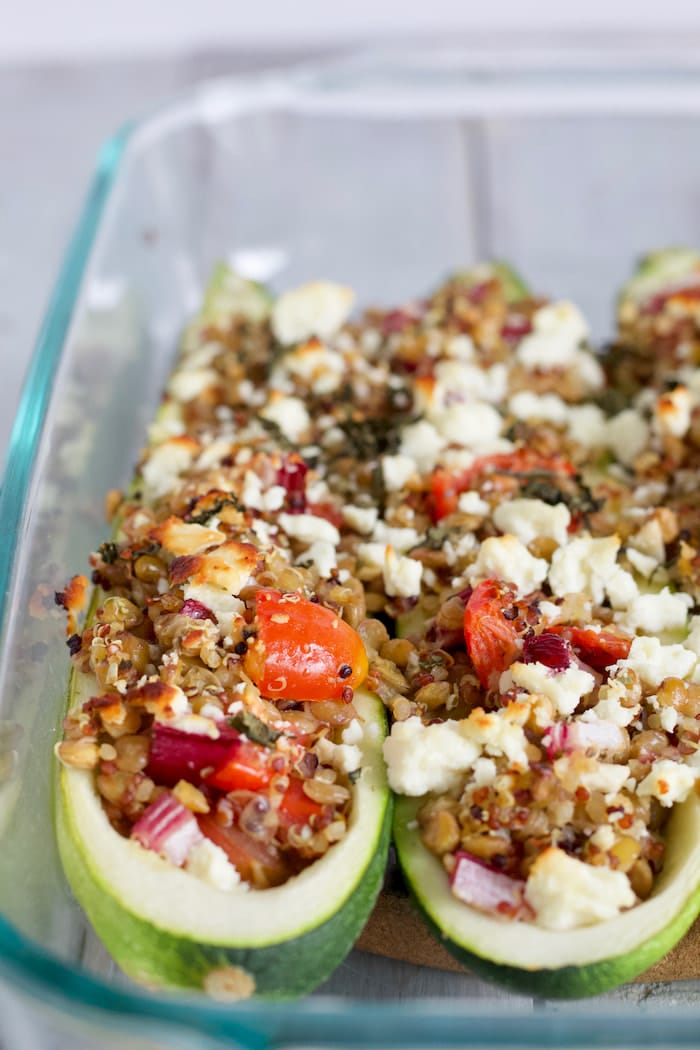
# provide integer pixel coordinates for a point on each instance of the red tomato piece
(446, 490)
(260, 863)
(303, 651)
(492, 638)
(247, 768)
(296, 806)
(598, 649)
(447, 487)
(326, 509)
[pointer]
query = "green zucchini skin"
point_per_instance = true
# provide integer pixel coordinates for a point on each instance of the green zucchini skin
(514, 287)
(573, 980)
(159, 958)
(657, 271)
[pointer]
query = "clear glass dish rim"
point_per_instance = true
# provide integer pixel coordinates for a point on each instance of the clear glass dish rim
(471, 85)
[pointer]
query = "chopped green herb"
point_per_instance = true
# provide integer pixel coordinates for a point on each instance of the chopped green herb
(203, 516)
(254, 728)
(370, 438)
(275, 432)
(109, 552)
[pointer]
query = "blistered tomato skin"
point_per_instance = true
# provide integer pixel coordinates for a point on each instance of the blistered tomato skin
(303, 651)
(490, 631)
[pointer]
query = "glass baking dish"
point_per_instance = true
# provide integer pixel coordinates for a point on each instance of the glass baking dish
(385, 172)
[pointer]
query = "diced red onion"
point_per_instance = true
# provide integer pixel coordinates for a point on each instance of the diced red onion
(196, 610)
(516, 328)
(601, 735)
(177, 755)
(549, 649)
(397, 320)
(168, 828)
(292, 477)
(483, 887)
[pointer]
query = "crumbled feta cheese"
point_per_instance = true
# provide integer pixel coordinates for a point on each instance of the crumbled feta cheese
(547, 408)
(322, 555)
(456, 459)
(250, 394)
(564, 688)
(187, 384)
(587, 425)
(456, 381)
(649, 540)
(484, 772)
(423, 758)
(672, 412)
(656, 613)
(589, 773)
(588, 565)
(653, 661)
(566, 893)
(460, 347)
(472, 503)
(421, 443)
(603, 837)
(314, 363)
(529, 518)
(265, 532)
(550, 611)
(317, 491)
(402, 575)
(288, 413)
(361, 519)
(212, 712)
(308, 528)
(642, 563)
(353, 733)
(626, 434)
(165, 464)
(227, 608)
(500, 732)
(318, 308)
(213, 454)
(474, 425)
(668, 781)
(397, 470)
(610, 707)
(253, 496)
(506, 558)
(208, 861)
(401, 539)
(372, 554)
(346, 758)
(668, 716)
(558, 330)
(185, 537)
(621, 588)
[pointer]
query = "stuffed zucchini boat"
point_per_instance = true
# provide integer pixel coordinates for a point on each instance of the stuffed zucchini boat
(222, 809)
(549, 762)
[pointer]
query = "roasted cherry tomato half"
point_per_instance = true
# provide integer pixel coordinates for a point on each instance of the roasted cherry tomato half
(598, 649)
(303, 651)
(491, 630)
(447, 486)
